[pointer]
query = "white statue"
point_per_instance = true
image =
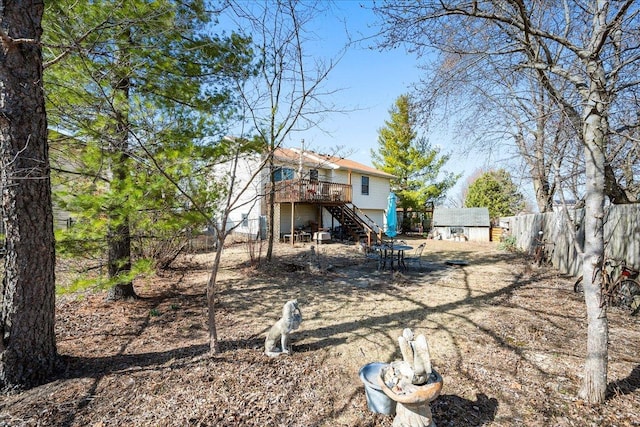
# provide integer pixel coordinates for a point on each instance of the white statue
(290, 320)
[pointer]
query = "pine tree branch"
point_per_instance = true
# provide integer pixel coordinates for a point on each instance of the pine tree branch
(9, 42)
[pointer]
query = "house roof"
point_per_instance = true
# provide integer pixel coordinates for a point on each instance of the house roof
(461, 217)
(325, 161)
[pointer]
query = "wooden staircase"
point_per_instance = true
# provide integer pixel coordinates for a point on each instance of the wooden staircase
(355, 223)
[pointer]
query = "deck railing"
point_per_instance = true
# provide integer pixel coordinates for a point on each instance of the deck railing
(308, 191)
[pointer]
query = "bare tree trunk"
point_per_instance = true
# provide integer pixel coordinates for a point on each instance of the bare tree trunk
(271, 208)
(288, 89)
(608, 42)
(614, 191)
(595, 130)
(214, 346)
(27, 337)
(221, 235)
(544, 196)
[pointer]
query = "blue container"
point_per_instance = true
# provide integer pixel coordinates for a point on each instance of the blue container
(377, 401)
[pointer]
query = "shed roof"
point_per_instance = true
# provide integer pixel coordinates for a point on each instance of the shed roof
(461, 217)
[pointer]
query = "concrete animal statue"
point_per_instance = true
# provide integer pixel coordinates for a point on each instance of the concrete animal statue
(290, 321)
(416, 356)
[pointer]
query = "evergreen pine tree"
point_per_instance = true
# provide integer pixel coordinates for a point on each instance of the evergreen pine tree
(138, 87)
(416, 165)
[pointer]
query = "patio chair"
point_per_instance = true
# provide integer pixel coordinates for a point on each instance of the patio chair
(369, 253)
(416, 255)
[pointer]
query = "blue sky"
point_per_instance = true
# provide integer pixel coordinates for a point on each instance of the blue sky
(368, 82)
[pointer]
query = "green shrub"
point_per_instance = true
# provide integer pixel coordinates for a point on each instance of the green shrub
(508, 243)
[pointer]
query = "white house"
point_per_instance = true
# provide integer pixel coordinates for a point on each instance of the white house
(312, 191)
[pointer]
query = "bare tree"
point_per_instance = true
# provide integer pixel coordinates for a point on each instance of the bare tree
(545, 141)
(230, 190)
(586, 52)
(494, 109)
(27, 338)
(287, 93)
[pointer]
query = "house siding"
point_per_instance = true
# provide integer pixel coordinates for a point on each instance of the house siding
(248, 202)
(304, 214)
(372, 205)
(378, 218)
(379, 189)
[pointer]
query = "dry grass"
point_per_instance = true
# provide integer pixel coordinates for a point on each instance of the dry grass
(507, 338)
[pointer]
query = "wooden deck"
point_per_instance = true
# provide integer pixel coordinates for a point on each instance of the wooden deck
(307, 191)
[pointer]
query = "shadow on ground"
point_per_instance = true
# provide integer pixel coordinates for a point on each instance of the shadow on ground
(452, 410)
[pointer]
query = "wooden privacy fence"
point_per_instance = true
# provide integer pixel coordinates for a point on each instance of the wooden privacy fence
(495, 234)
(621, 234)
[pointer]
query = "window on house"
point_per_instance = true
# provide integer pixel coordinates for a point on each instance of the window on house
(365, 185)
(313, 175)
(283, 174)
(245, 220)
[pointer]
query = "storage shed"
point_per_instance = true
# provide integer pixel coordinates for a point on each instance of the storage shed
(461, 224)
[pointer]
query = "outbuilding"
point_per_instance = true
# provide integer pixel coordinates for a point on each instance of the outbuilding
(462, 224)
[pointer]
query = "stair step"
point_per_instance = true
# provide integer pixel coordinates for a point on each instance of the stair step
(353, 226)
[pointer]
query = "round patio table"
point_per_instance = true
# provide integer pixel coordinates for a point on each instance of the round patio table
(386, 252)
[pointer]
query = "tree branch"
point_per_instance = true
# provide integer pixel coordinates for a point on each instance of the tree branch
(9, 42)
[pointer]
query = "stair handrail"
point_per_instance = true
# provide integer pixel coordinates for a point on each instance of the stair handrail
(351, 212)
(359, 212)
(354, 216)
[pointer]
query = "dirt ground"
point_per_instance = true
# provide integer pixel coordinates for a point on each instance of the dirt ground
(509, 340)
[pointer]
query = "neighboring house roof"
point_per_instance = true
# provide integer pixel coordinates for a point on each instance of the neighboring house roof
(325, 161)
(461, 217)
